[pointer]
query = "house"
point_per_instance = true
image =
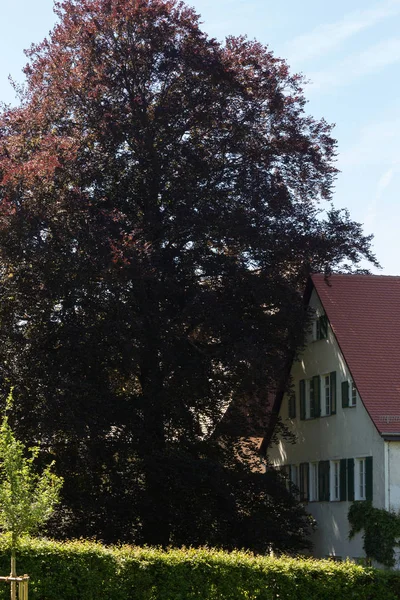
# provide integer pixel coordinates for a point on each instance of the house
(345, 410)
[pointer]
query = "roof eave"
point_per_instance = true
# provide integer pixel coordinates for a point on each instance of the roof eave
(391, 437)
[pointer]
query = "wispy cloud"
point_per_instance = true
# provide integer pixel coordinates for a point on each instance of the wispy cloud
(357, 65)
(377, 145)
(328, 36)
(383, 185)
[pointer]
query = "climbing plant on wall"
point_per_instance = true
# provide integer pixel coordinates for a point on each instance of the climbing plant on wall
(381, 531)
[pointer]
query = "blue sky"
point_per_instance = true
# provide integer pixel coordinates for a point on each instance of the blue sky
(350, 52)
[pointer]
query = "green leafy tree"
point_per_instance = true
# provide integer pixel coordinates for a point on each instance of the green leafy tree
(159, 216)
(27, 499)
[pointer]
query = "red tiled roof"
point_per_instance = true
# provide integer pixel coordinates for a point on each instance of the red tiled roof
(364, 313)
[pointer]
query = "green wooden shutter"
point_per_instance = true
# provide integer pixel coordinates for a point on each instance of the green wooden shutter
(302, 390)
(350, 479)
(345, 394)
(343, 479)
(327, 480)
(312, 398)
(368, 478)
(317, 395)
(304, 481)
(333, 392)
(321, 490)
(292, 406)
(323, 480)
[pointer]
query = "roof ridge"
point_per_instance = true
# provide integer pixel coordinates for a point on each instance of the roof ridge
(366, 275)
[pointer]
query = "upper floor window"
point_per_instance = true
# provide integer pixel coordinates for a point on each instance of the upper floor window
(353, 395)
(318, 396)
(310, 398)
(349, 394)
(320, 329)
(328, 404)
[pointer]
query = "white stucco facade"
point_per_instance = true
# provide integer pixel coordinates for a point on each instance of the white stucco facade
(348, 434)
(392, 455)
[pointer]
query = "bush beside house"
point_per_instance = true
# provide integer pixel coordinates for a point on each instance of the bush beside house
(87, 571)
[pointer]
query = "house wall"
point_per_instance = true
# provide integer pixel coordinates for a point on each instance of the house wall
(350, 433)
(392, 451)
(392, 463)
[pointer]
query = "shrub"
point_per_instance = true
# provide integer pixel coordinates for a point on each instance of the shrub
(82, 570)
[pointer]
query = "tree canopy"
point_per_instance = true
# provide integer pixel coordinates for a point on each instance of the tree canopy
(161, 206)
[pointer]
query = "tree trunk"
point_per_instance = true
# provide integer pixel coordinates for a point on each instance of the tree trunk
(13, 574)
(156, 520)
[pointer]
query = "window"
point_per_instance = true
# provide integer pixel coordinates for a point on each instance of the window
(332, 480)
(335, 480)
(360, 488)
(304, 481)
(313, 482)
(328, 394)
(294, 479)
(310, 398)
(353, 396)
(321, 328)
(349, 394)
(294, 475)
(359, 478)
(334, 558)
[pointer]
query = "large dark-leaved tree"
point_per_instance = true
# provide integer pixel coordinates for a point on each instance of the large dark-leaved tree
(159, 215)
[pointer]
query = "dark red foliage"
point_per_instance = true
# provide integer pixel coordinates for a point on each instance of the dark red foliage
(158, 218)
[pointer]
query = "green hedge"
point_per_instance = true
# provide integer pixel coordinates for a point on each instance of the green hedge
(88, 571)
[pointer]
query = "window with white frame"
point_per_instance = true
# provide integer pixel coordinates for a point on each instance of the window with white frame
(294, 475)
(310, 398)
(353, 395)
(313, 482)
(349, 394)
(326, 394)
(335, 480)
(317, 396)
(360, 479)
